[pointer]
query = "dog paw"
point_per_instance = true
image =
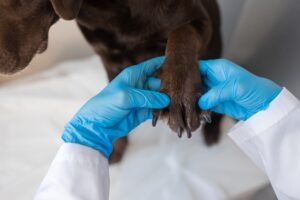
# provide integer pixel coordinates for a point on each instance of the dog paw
(182, 82)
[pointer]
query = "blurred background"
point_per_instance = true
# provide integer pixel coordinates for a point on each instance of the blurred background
(262, 36)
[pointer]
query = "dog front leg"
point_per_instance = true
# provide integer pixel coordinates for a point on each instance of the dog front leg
(181, 78)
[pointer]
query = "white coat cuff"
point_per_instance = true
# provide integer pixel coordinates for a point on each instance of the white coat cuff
(77, 172)
(79, 153)
(277, 110)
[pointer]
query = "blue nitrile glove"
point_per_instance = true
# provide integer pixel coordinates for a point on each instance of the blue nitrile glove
(233, 90)
(117, 109)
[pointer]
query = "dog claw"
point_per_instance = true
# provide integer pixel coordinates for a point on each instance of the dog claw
(189, 133)
(154, 121)
(179, 132)
(206, 118)
(155, 118)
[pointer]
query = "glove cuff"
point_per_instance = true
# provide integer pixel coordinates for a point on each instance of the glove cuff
(87, 134)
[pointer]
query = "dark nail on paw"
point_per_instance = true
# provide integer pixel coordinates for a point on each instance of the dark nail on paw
(179, 132)
(155, 118)
(206, 118)
(189, 133)
(154, 122)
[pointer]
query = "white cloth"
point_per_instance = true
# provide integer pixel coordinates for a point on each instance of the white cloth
(270, 138)
(77, 172)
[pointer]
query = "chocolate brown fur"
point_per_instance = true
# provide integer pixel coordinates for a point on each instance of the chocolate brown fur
(124, 33)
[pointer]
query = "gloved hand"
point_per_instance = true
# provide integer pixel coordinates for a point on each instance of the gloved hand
(234, 91)
(118, 108)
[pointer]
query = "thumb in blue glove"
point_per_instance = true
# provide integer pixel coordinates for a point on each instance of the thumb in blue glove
(234, 91)
(120, 107)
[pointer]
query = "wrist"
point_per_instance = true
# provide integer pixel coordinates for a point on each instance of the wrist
(87, 134)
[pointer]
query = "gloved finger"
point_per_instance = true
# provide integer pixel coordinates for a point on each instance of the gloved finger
(224, 109)
(211, 71)
(135, 118)
(208, 83)
(142, 115)
(204, 67)
(233, 111)
(150, 66)
(146, 68)
(220, 109)
(135, 76)
(210, 68)
(216, 96)
(217, 70)
(153, 84)
(147, 99)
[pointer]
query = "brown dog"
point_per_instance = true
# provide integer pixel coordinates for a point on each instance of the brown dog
(124, 33)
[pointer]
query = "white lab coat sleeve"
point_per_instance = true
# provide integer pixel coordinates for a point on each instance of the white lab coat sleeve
(271, 138)
(77, 172)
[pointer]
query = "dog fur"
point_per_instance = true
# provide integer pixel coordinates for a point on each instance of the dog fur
(124, 33)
